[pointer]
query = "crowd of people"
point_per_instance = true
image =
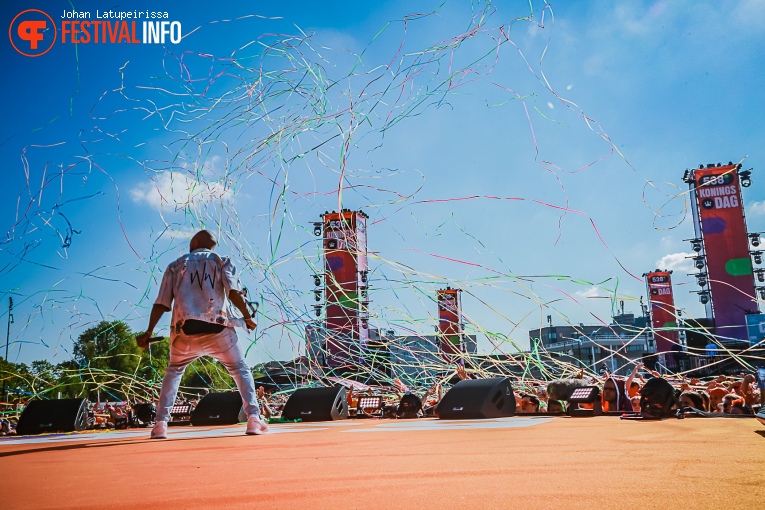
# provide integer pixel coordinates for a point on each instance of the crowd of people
(731, 395)
(108, 415)
(8, 426)
(742, 394)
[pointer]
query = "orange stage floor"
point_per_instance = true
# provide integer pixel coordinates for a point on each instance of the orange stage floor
(525, 463)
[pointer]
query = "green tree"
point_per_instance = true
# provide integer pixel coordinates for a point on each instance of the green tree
(45, 377)
(69, 382)
(107, 360)
(206, 373)
(111, 363)
(108, 346)
(16, 379)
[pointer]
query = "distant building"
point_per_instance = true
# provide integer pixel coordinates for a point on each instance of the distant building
(420, 358)
(590, 346)
(410, 358)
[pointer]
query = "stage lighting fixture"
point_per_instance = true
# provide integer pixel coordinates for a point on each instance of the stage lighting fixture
(699, 262)
(746, 178)
(701, 279)
(585, 395)
(760, 275)
(757, 257)
(317, 228)
(364, 276)
(696, 245)
(366, 402)
(180, 414)
(369, 406)
(704, 297)
(317, 310)
(317, 294)
(688, 177)
(755, 239)
(762, 292)
(316, 280)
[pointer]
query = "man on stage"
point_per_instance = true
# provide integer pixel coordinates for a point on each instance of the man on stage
(198, 285)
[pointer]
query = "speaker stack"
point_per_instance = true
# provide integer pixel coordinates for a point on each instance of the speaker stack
(64, 415)
(478, 398)
(317, 404)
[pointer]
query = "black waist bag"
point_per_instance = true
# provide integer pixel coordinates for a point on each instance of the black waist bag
(195, 327)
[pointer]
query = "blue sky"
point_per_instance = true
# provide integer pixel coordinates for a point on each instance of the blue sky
(530, 156)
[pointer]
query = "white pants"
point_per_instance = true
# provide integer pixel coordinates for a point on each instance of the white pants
(224, 347)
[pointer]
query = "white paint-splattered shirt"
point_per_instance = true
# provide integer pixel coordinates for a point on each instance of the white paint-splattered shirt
(196, 286)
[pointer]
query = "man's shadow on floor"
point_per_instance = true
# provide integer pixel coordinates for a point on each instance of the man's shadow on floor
(100, 444)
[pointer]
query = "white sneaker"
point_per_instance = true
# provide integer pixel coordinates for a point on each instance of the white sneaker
(256, 426)
(159, 431)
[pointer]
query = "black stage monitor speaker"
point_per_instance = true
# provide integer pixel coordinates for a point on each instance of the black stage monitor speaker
(144, 414)
(657, 398)
(64, 415)
(478, 398)
(317, 404)
(217, 409)
(409, 406)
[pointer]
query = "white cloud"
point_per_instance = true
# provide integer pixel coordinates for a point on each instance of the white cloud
(633, 18)
(667, 241)
(533, 30)
(592, 292)
(182, 233)
(750, 13)
(176, 190)
(211, 168)
(676, 262)
(757, 208)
